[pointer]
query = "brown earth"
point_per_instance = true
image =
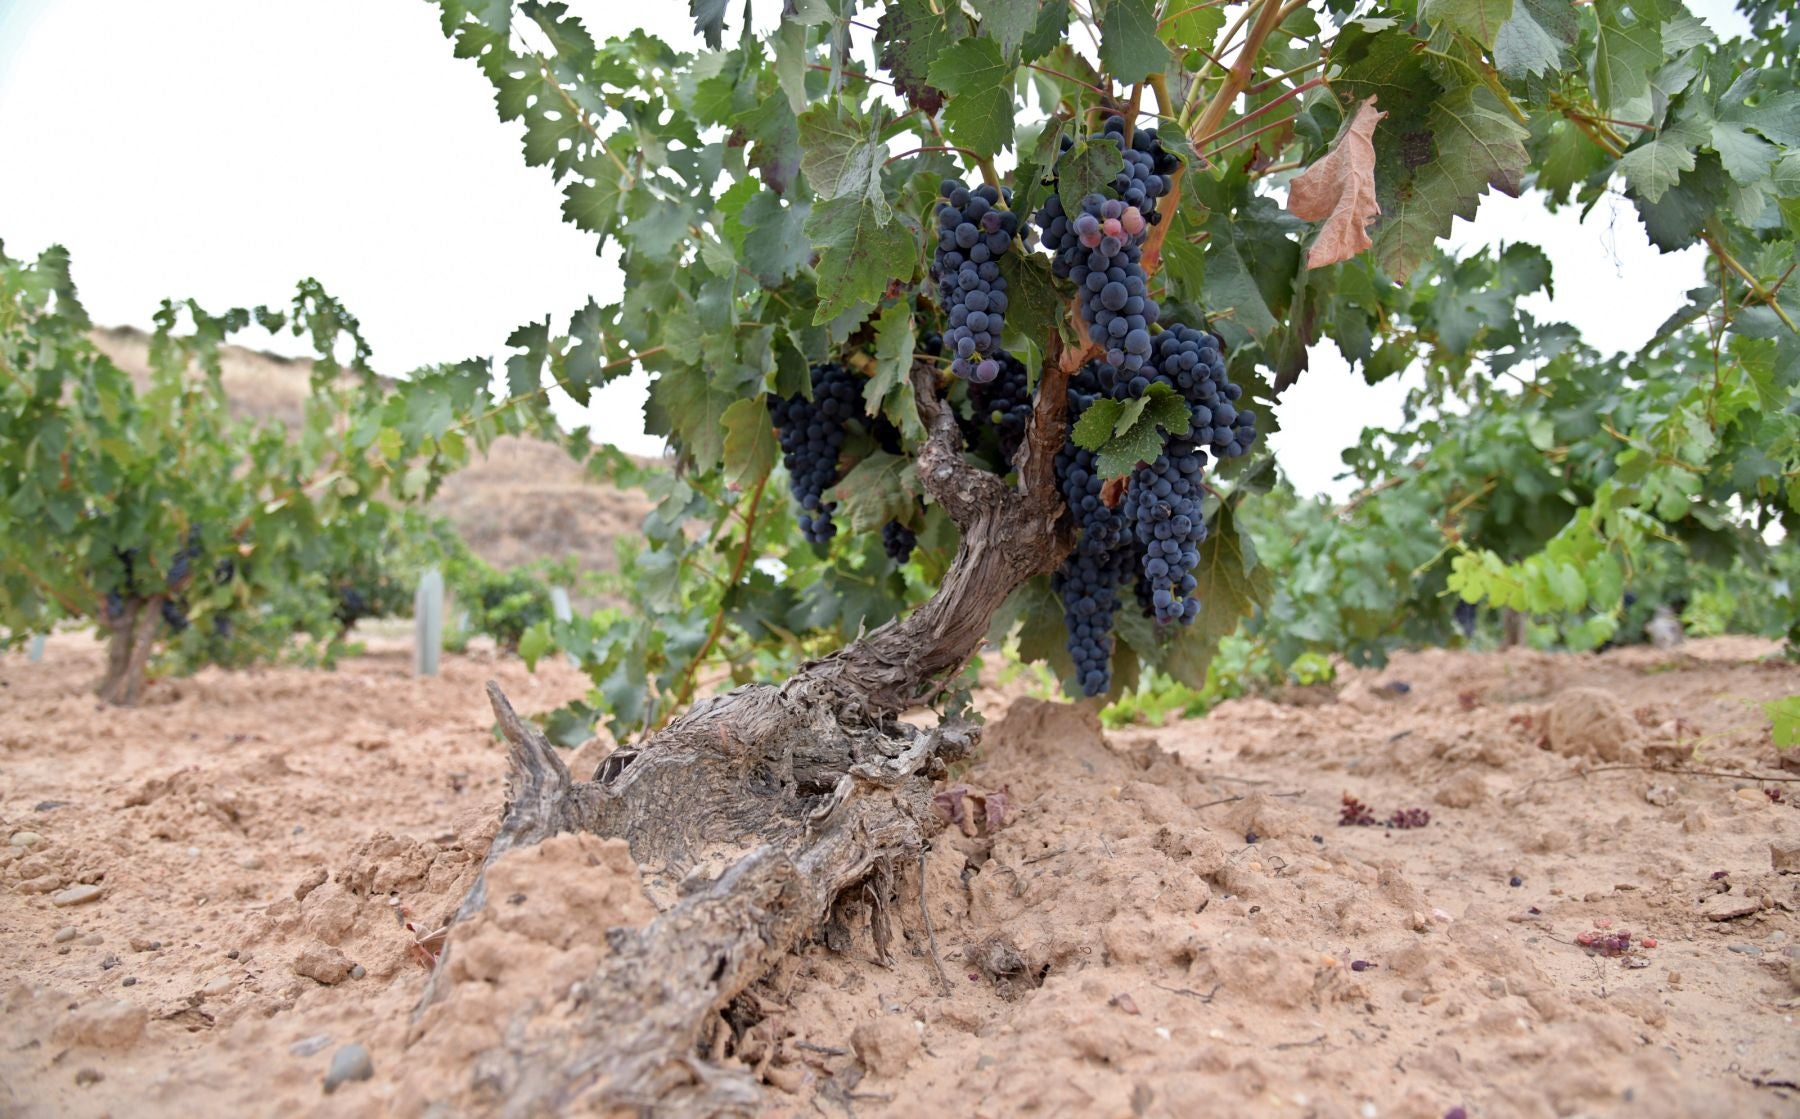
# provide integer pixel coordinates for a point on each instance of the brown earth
(524, 500)
(1156, 922)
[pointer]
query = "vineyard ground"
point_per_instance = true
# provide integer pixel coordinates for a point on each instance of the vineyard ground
(1165, 924)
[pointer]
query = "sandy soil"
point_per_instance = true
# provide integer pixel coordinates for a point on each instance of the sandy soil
(1157, 922)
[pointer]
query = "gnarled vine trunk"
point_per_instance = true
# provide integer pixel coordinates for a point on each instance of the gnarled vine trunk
(757, 809)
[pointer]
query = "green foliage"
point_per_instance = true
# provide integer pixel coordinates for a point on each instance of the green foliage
(770, 201)
(251, 540)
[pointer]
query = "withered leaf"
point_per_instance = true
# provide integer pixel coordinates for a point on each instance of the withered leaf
(1339, 190)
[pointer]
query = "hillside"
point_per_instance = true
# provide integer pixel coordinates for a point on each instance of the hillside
(523, 501)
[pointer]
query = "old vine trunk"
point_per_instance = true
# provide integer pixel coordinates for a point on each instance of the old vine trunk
(753, 812)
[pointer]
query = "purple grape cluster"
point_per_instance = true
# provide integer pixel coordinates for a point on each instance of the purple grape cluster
(1100, 251)
(1088, 581)
(1165, 507)
(1004, 403)
(974, 232)
(812, 436)
(898, 541)
(1192, 362)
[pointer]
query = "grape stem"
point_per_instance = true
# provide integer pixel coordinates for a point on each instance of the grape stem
(1243, 69)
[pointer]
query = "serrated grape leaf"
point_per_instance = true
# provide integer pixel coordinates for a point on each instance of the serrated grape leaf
(858, 255)
(749, 447)
(1129, 48)
(1674, 221)
(525, 371)
(1627, 50)
(1776, 115)
(1139, 430)
(695, 406)
(774, 245)
(1653, 167)
(1087, 168)
(1008, 21)
(709, 20)
(1095, 426)
(1746, 158)
(1191, 27)
(1037, 167)
(1537, 39)
(890, 391)
(596, 202)
(1439, 152)
(912, 34)
(980, 112)
(1034, 309)
(1339, 190)
(1042, 636)
(1480, 20)
(1047, 35)
(1230, 287)
(879, 489)
(843, 157)
(1684, 32)
(1784, 721)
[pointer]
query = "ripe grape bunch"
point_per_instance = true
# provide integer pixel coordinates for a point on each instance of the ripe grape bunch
(1088, 581)
(812, 436)
(1004, 403)
(974, 232)
(1100, 249)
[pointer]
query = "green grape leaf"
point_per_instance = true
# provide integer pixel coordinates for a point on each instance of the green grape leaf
(695, 404)
(1007, 22)
(1650, 169)
(1087, 168)
(842, 158)
(774, 245)
(1191, 27)
(1745, 157)
(890, 391)
(913, 34)
(1626, 53)
(981, 112)
(879, 489)
(1537, 39)
(709, 19)
(1480, 20)
(858, 254)
(1437, 152)
(1095, 426)
(1129, 48)
(749, 447)
(1034, 307)
(1138, 430)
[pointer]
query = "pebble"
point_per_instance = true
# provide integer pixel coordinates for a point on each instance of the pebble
(251, 862)
(193, 852)
(66, 934)
(49, 805)
(358, 971)
(130, 981)
(307, 1046)
(1745, 949)
(109, 963)
(76, 895)
(26, 839)
(352, 1062)
(92, 939)
(1516, 881)
(87, 1076)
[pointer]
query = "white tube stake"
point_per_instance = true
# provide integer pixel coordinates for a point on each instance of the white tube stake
(559, 604)
(428, 623)
(34, 652)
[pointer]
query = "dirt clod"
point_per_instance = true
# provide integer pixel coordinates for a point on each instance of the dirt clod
(113, 1024)
(886, 1046)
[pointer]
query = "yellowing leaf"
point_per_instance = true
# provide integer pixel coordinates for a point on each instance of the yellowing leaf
(1339, 190)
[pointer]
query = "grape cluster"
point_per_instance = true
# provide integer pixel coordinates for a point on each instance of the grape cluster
(1164, 505)
(1192, 362)
(1004, 403)
(1099, 250)
(898, 541)
(974, 232)
(812, 435)
(174, 612)
(1088, 581)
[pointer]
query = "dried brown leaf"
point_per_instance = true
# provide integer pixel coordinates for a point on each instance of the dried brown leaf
(1339, 190)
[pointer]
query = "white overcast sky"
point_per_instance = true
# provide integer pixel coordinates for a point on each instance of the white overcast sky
(223, 149)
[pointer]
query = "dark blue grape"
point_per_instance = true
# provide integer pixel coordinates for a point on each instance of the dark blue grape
(812, 436)
(898, 541)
